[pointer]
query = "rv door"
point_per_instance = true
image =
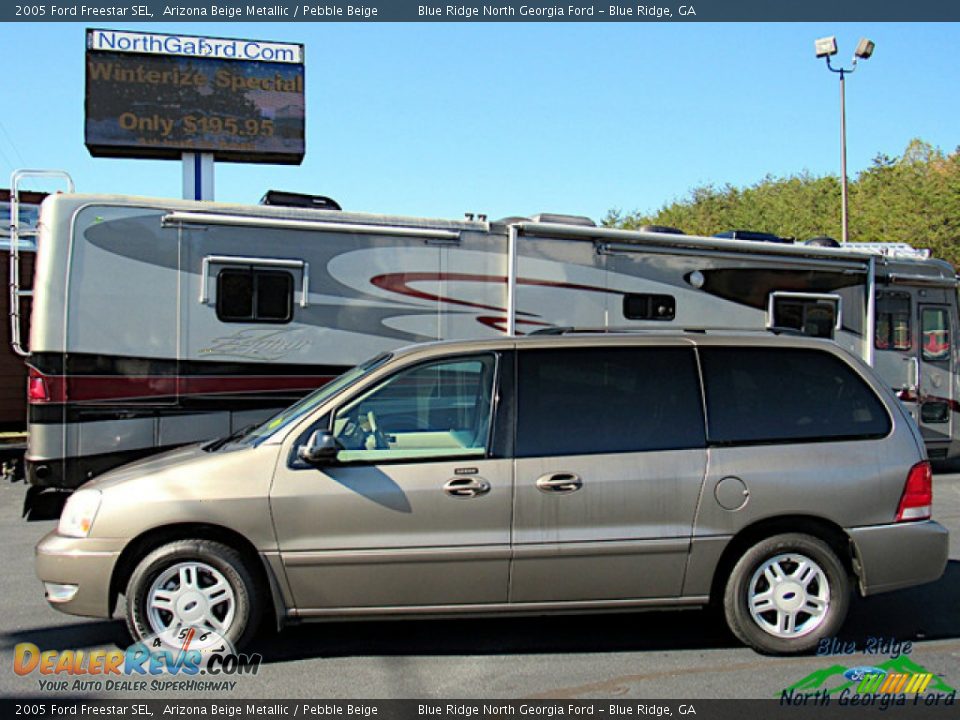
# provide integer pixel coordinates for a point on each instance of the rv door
(935, 385)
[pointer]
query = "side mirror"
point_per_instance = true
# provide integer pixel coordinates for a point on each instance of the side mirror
(322, 447)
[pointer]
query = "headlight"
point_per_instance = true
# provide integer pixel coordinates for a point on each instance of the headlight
(78, 514)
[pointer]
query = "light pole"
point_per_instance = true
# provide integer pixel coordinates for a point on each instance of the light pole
(825, 48)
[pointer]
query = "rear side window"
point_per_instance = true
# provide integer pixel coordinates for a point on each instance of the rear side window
(767, 395)
(600, 400)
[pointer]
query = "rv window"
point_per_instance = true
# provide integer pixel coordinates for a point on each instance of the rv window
(936, 335)
(811, 316)
(893, 322)
(250, 295)
(644, 306)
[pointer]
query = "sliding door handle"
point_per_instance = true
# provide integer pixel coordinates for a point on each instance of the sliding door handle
(561, 482)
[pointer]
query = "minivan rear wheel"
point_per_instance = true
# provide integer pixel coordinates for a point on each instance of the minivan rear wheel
(199, 584)
(786, 593)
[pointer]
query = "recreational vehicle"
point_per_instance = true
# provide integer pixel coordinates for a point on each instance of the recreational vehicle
(160, 322)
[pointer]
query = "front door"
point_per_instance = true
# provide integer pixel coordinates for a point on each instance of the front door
(415, 511)
(610, 462)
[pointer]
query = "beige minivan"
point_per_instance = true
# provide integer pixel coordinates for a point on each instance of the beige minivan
(770, 475)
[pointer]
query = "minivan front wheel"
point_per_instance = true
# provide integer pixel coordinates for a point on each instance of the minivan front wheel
(201, 585)
(786, 593)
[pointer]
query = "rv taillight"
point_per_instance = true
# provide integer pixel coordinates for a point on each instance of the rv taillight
(917, 499)
(37, 390)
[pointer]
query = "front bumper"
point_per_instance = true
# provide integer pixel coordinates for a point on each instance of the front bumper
(86, 563)
(900, 555)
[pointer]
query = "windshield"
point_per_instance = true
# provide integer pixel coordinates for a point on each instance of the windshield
(319, 396)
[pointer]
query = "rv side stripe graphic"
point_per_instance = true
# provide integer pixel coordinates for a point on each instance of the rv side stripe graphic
(103, 365)
(907, 396)
(400, 283)
(90, 388)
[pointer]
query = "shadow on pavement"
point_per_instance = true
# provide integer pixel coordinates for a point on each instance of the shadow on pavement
(68, 637)
(927, 612)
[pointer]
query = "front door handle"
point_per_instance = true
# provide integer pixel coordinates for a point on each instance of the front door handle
(561, 482)
(466, 487)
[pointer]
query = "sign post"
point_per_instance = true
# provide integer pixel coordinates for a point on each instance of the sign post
(197, 176)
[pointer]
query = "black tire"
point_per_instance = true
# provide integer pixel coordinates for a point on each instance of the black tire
(234, 568)
(759, 634)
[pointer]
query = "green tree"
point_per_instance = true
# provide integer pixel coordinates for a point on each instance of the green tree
(913, 198)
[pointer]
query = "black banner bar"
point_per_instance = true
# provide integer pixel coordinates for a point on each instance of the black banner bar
(139, 11)
(853, 708)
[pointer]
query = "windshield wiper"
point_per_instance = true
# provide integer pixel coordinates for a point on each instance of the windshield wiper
(236, 435)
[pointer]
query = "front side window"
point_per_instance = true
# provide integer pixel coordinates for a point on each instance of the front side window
(583, 401)
(311, 402)
(437, 409)
(769, 395)
(251, 295)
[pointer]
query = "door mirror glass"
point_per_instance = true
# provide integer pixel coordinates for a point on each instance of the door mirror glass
(321, 448)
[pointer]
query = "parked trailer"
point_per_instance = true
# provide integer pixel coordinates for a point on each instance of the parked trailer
(161, 322)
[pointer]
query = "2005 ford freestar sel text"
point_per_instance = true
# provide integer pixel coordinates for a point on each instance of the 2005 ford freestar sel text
(573, 473)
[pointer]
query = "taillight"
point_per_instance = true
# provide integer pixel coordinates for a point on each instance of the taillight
(37, 389)
(917, 499)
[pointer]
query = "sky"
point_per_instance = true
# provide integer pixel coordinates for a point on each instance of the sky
(439, 119)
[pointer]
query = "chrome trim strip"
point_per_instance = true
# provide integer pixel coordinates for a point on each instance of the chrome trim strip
(832, 297)
(78, 553)
(635, 237)
(301, 265)
(605, 548)
(505, 552)
(839, 265)
(905, 279)
(869, 335)
(196, 218)
(399, 555)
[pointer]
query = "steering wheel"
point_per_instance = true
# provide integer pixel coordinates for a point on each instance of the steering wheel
(374, 436)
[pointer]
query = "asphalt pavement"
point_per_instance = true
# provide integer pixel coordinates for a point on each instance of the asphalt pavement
(655, 655)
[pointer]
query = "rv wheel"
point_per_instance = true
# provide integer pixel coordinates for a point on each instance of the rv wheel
(198, 584)
(786, 593)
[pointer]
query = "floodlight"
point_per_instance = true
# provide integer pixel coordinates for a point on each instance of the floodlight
(864, 49)
(826, 47)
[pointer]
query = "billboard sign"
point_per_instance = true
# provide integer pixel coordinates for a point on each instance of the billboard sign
(158, 96)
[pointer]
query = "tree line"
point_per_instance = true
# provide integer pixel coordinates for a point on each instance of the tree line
(913, 198)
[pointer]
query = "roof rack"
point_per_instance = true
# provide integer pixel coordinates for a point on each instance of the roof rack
(888, 249)
(632, 330)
